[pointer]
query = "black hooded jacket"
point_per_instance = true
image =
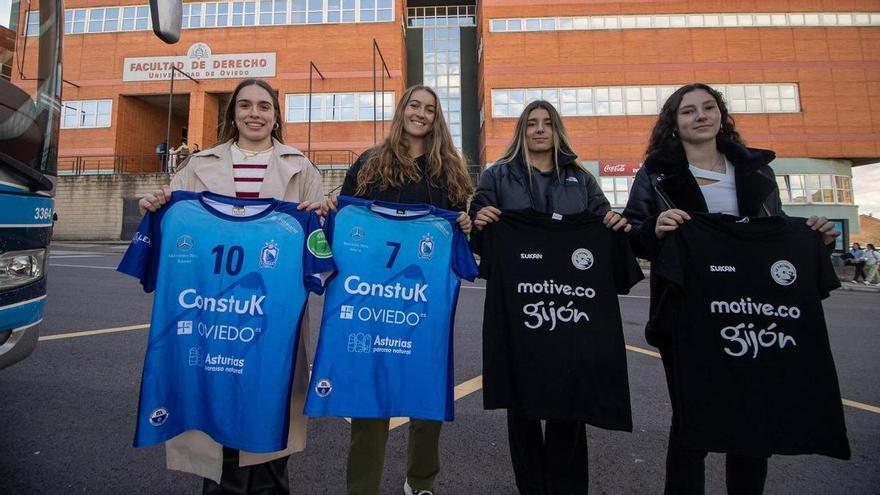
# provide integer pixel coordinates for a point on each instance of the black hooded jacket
(506, 187)
(665, 182)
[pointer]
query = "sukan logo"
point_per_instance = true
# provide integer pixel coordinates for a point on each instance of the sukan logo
(323, 387)
(531, 256)
(582, 259)
(783, 272)
(159, 416)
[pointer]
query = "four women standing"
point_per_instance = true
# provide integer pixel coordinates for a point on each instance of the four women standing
(696, 161)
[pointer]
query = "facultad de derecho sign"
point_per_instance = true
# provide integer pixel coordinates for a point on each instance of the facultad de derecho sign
(200, 63)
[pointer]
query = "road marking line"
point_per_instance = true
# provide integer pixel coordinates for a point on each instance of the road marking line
(93, 332)
(861, 405)
(642, 351)
(84, 266)
(461, 390)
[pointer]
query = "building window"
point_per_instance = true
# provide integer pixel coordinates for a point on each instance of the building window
(32, 24)
(86, 114)
(216, 14)
(341, 10)
(192, 16)
(815, 189)
(273, 12)
(135, 18)
(338, 107)
(672, 21)
(244, 13)
(75, 21)
(642, 100)
(616, 189)
(308, 12)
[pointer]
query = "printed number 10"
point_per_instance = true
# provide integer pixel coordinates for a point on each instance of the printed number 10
(234, 258)
(395, 248)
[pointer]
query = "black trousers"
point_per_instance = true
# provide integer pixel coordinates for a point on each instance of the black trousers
(860, 271)
(686, 467)
(550, 463)
(268, 478)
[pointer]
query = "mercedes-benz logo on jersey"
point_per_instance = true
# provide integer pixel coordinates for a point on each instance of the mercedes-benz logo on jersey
(269, 255)
(323, 387)
(426, 247)
(582, 259)
(783, 272)
(185, 243)
(357, 233)
(159, 416)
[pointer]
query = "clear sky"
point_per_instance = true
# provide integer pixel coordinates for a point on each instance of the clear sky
(5, 9)
(866, 188)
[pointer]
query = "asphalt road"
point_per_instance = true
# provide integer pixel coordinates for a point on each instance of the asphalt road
(67, 412)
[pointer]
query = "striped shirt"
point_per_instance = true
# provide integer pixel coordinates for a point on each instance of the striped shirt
(248, 172)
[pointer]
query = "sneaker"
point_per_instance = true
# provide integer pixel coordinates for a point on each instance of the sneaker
(409, 491)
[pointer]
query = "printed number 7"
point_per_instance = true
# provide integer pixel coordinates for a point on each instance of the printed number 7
(395, 249)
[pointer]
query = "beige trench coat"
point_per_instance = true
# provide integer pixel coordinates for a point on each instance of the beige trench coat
(290, 177)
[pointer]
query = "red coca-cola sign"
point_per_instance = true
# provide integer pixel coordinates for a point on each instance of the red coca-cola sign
(618, 168)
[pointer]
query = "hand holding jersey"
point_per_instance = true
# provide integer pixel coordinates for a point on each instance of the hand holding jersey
(226, 315)
(749, 346)
(385, 343)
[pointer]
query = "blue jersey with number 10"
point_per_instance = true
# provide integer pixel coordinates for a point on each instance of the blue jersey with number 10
(386, 333)
(231, 278)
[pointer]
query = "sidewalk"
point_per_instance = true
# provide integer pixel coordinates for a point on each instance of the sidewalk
(857, 286)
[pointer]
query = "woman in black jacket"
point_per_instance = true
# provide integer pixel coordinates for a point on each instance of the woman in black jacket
(539, 171)
(696, 161)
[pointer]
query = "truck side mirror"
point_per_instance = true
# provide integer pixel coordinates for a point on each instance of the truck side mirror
(166, 16)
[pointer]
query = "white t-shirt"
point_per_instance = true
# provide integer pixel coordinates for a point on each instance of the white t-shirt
(720, 195)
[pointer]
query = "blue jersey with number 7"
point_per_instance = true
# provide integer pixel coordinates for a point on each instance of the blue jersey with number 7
(385, 348)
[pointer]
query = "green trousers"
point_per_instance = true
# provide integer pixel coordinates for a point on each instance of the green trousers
(366, 455)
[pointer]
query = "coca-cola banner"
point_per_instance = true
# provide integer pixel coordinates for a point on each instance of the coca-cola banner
(618, 168)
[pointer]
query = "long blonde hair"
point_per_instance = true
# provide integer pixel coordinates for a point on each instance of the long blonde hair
(389, 164)
(519, 148)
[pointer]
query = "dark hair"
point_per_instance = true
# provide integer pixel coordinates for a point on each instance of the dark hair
(228, 131)
(664, 138)
(871, 246)
(856, 245)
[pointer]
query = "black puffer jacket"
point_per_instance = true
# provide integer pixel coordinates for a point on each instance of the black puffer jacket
(665, 182)
(506, 187)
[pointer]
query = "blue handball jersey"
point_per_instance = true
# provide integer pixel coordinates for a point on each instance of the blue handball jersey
(231, 278)
(386, 332)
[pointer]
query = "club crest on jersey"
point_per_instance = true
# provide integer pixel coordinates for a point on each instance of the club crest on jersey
(185, 243)
(357, 233)
(783, 272)
(426, 247)
(159, 416)
(582, 259)
(269, 255)
(323, 387)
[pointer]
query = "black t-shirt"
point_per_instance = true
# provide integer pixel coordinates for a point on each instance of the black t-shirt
(752, 371)
(552, 338)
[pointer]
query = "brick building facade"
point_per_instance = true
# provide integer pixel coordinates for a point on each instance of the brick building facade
(802, 78)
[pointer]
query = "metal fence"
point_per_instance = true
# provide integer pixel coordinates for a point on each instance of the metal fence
(109, 165)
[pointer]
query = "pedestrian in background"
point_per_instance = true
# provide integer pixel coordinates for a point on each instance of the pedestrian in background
(858, 261)
(872, 266)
